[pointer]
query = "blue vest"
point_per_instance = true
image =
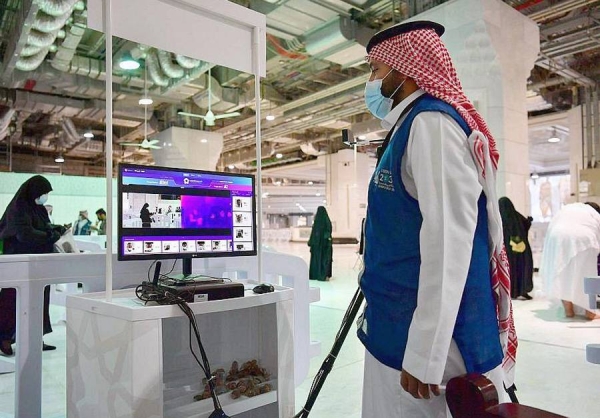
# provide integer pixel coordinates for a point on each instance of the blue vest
(390, 279)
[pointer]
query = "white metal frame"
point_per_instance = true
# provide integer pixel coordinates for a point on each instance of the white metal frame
(180, 26)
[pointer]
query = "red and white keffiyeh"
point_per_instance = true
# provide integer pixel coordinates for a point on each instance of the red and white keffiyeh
(421, 55)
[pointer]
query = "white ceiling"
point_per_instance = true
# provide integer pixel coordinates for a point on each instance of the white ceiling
(543, 155)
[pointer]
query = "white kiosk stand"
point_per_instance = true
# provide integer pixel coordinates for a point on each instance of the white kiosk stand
(129, 360)
(591, 287)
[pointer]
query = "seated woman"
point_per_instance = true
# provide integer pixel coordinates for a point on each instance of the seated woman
(25, 228)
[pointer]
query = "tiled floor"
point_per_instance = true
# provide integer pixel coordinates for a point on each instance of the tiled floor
(552, 372)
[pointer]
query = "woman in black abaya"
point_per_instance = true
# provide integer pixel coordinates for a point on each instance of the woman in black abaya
(25, 228)
(516, 229)
(145, 216)
(321, 248)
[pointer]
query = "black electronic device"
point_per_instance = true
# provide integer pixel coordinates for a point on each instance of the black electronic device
(201, 292)
(263, 288)
(156, 273)
(173, 213)
(348, 137)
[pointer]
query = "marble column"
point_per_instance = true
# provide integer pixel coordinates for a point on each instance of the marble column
(347, 177)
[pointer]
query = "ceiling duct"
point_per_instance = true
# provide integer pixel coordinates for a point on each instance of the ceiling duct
(168, 66)
(70, 131)
(222, 98)
(187, 62)
(148, 128)
(341, 40)
(311, 149)
(66, 51)
(59, 7)
(41, 39)
(156, 73)
(47, 23)
(246, 155)
(50, 18)
(66, 107)
(32, 62)
(29, 50)
(5, 122)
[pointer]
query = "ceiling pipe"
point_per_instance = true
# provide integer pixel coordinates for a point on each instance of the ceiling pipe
(169, 68)
(45, 27)
(32, 62)
(66, 51)
(527, 4)
(559, 9)
(5, 122)
(47, 23)
(187, 62)
(29, 50)
(246, 154)
(58, 7)
(193, 74)
(71, 131)
(156, 74)
(17, 39)
(41, 39)
(306, 100)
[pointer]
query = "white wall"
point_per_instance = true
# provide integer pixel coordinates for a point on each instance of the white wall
(70, 194)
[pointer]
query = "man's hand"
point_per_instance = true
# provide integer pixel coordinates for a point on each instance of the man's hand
(416, 388)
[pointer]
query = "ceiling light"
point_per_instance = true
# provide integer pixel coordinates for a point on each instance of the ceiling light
(145, 100)
(318, 194)
(128, 63)
(59, 159)
(270, 117)
(362, 137)
(88, 134)
(231, 166)
(325, 201)
(554, 140)
(279, 155)
(204, 140)
(310, 183)
(535, 176)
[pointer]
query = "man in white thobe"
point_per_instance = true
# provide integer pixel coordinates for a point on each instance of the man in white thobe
(435, 309)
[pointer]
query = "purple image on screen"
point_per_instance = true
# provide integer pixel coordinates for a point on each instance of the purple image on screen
(206, 212)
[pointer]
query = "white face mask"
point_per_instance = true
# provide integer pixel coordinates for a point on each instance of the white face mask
(376, 102)
(42, 199)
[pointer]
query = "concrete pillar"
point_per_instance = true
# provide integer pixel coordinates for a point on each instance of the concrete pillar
(188, 148)
(494, 48)
(576, 163)
(347, 177)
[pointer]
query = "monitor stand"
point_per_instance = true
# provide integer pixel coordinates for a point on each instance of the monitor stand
(186, 274)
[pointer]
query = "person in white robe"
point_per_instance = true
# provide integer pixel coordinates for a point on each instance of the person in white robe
(432, 228)
(570, 254)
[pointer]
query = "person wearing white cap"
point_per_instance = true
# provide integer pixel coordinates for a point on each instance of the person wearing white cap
(436, 279)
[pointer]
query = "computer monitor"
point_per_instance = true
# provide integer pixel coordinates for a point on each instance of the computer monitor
(169, 213)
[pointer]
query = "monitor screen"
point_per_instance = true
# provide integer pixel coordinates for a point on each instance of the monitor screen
(179, 213)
